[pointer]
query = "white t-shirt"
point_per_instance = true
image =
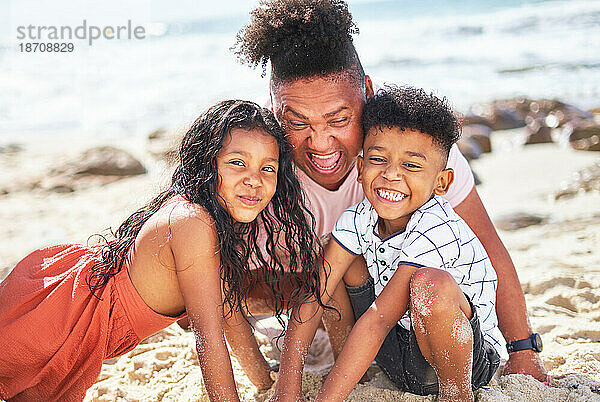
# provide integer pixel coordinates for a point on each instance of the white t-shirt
(436, 237)
(327, 205)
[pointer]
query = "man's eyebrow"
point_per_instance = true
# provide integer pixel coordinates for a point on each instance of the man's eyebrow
(331, 114)
(297, 114)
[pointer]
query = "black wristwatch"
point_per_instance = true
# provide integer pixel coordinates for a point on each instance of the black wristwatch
(534, 342)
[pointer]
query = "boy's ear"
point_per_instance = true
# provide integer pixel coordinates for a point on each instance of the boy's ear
(359, 167)
(368, 87)
(443, 182)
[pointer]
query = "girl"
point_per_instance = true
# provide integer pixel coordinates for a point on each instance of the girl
(65, 309)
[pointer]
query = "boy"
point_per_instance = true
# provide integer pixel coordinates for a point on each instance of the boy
(425, 266)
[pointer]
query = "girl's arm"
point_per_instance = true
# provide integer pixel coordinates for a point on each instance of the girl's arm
(195, 250)
(245, 348)
(367, 336)
(303, 325)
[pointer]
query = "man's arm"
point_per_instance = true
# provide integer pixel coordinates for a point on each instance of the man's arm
(510, 300)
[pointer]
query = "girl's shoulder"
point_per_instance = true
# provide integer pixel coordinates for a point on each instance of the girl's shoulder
(179, 210)
(184, 221)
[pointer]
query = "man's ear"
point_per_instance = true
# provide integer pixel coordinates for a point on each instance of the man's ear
(359, 167)
(443, 181)
(368, 87)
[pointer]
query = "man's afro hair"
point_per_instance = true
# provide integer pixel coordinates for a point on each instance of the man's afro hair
(301, 38)
(412, 108)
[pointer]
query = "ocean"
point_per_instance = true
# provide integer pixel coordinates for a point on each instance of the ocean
(469, 51)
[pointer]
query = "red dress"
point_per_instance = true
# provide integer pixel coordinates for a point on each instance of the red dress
(54, 334)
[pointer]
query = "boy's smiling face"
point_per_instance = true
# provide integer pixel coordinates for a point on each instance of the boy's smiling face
(399, 172)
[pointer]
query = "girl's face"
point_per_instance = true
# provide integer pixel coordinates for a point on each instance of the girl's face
(247, 166)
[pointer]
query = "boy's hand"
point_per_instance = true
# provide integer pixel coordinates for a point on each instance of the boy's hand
(526, 362)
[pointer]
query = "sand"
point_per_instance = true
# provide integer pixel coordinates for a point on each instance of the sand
(558, 262)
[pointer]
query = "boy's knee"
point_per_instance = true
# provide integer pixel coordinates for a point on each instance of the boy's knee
(432, 292)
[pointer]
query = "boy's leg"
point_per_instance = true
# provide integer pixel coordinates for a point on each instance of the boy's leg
(440, 315)
(338, 324)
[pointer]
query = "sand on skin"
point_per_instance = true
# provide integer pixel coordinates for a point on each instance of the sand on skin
(558, 263)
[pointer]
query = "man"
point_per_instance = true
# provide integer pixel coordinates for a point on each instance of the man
(318, 90)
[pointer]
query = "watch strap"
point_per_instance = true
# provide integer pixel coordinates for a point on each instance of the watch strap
(521, 344)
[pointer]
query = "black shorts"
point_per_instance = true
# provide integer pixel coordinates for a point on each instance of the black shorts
(401, 359)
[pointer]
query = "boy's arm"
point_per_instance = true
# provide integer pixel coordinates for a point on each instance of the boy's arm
(303, 325)
(510, 301)
(367, 336)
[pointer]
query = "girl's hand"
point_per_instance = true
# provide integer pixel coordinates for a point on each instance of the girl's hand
(286, 398)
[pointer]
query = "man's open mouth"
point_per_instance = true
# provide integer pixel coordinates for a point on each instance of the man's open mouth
(325, 163)
(390, 195)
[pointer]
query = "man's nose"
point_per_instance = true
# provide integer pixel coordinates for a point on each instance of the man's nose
(320, 138)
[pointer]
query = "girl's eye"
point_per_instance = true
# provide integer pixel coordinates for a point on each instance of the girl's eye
(376, 159)
(269, 169)
(237, 162)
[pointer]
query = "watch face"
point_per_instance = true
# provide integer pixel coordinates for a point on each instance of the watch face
(537, 342)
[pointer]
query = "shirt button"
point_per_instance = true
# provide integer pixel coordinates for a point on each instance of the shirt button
(385, 278)
(381, 250)
(382, 263)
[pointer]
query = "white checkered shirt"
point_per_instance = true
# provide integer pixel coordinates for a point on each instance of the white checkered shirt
(436, 237)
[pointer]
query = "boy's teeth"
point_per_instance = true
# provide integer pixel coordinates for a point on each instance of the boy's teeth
(390, 195)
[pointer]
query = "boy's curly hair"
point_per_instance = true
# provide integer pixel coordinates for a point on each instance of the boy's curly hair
(302, 39)
(408, 107)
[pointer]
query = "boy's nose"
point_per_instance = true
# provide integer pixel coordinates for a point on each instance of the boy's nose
(392, 173)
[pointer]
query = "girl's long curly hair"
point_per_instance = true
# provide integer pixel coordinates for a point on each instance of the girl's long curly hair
(289, 226)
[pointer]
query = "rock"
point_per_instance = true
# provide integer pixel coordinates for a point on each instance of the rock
(479, 133)
(513, 113)
(163, 144)
(469, 147)
(518, 220)
(106, 161)
(583, 135)
(10, 148)
(158, 133)
(472, 119)
(94, 167)
(538, 132)
(499, 117)
(585, 180)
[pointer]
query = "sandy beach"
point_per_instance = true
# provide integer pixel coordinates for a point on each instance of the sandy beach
(558, 261)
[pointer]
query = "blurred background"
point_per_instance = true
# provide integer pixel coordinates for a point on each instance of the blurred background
(470, 51)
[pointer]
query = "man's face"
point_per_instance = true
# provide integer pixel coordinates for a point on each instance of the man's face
(322, 118)
(400, 171)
